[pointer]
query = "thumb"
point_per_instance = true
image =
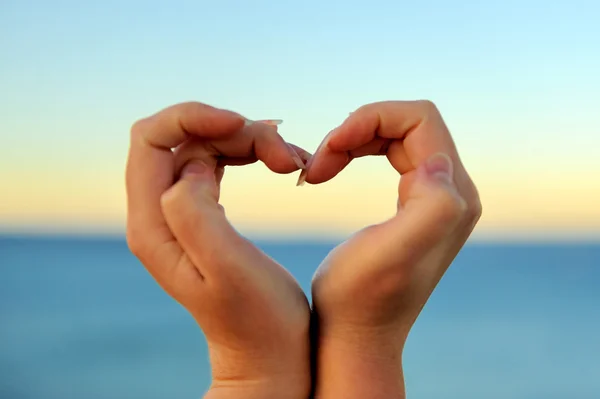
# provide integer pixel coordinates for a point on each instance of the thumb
(432, 180)
(193, 214)
(431, 204)
(200, 182)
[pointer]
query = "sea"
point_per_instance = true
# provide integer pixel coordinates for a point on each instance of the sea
(80, 318)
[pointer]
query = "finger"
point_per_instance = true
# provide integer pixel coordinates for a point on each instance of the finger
(219, 173)
(335, 161)
(264, 143)
(418, 132)
(417, 124)
(171, 126)
(255, 142)
(433, 210)
(197, 221)
(304, 155)
(329, 161)
(241, 161)
(150, 171)
(393, 149)
(433, 204)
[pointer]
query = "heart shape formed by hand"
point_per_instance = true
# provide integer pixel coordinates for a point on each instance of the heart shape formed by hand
(179, 231)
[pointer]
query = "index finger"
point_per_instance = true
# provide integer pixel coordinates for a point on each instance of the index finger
(408, 132)
(150, 169)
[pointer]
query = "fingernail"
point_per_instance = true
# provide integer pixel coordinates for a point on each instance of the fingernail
(271, 122)
(301, 178)
(194, 169)
(439, 166)
(320, 147)
(297, 160)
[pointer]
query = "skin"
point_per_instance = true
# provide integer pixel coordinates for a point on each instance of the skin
(253, 314)
(369, 290)
(366, 294)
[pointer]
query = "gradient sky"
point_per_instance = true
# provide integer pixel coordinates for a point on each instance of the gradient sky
(517, 82)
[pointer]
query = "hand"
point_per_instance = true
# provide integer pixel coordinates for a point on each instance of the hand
(253, 313)
(369, 290)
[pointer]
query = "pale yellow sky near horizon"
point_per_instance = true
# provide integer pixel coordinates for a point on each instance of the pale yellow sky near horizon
(530, 185)
(260, 202)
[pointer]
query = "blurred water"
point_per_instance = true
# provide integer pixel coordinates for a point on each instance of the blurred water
(80, 318)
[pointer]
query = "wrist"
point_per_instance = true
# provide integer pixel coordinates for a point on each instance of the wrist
(243, 376)
(352, 372)
(359, 363)
(297, 387)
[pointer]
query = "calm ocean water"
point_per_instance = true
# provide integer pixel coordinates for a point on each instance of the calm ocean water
(80, 318)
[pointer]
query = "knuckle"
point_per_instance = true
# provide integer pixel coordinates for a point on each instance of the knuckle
(428, 107)
(138, 128)
(365, 107)
(191, 105)
(172, 198)
(474, 210)
(450, 207)
(192, 108)
(135, 242)
(474, 206)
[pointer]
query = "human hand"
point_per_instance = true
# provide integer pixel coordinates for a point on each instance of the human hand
(369, 291)
(253, 313)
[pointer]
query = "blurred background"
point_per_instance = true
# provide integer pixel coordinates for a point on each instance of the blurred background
(517, 82)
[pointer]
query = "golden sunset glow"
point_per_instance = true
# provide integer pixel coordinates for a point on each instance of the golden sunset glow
(261, 202)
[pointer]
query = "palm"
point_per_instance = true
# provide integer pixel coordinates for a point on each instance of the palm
(265, 298)
(269, 311)
(356, 284)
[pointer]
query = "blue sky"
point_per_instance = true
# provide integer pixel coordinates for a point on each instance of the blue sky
(517, 82)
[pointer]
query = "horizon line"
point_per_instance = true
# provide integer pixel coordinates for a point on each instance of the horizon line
(478, 236)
